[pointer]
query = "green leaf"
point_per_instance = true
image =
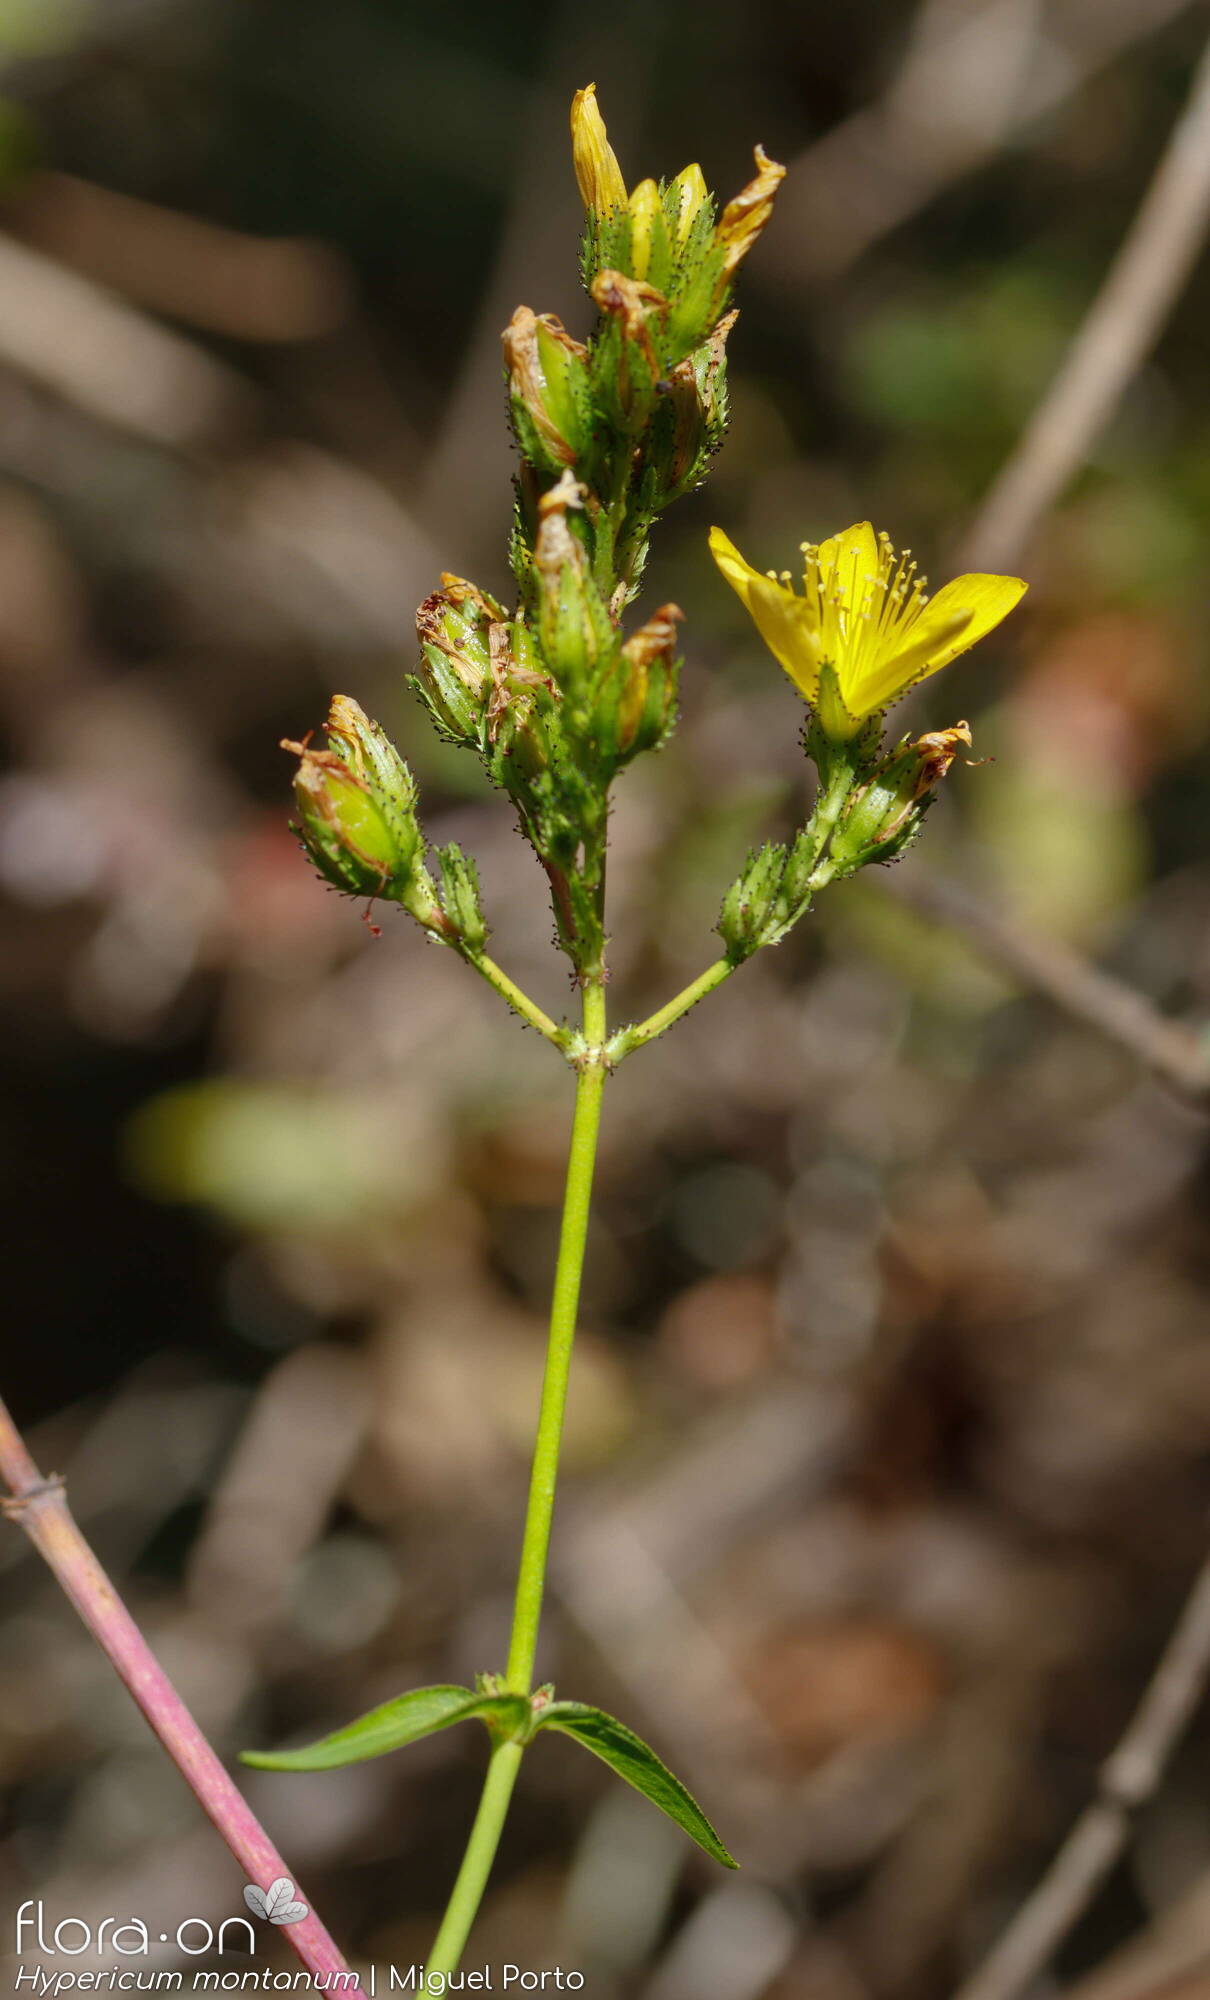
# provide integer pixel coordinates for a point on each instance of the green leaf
(632, 1759)
(397, 1722)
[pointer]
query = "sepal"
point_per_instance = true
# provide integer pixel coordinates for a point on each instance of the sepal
(460, 900)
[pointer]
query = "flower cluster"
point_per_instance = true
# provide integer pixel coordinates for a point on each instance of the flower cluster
(552, 693)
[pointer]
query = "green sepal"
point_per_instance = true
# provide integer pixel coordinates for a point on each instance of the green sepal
(796, 879)
(454, 710)
(630, 1758)
(699, 295)
(834, 734)
(404, 1720)
(568, 394)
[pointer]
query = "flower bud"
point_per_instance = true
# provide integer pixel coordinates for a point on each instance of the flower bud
(886, 813)
(356, 801)
(455, 673)
(597, 171)
(548, 389)
(750, 912)
(573, 624)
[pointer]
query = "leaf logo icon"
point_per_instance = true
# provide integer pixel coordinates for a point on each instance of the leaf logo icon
(277, 1904)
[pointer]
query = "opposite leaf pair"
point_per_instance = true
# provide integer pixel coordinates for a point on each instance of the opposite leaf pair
(508, 1717)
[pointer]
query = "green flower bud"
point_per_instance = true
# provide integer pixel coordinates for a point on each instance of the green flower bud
(885, 814)
(750, 912)
(356, 802)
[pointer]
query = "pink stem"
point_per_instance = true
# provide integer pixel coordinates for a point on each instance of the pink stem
(40, 1507)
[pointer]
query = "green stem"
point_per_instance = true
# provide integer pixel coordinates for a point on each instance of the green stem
(592, 1068)
(642, 1032)
(520, 1002)
(467, 1893)
(531, 1575)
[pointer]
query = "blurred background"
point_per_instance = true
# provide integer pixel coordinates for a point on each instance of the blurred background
(889, 1455)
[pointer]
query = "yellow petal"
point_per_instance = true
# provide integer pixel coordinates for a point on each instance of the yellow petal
(597, 171)
(785, 622)
(963, 612)
(847, 559)
(645, 210)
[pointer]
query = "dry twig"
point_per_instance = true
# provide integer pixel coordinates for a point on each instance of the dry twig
(974, 77)
(1128, 1780)
(1173, 1051)
(1143, 284)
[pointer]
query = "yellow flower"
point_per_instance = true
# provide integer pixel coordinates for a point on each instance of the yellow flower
(863, 610)
(597, 169)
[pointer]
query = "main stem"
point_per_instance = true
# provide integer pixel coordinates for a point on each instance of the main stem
(505, 1761)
